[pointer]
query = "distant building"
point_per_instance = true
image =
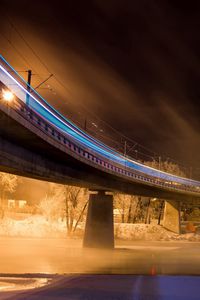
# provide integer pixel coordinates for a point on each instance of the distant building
(12, 203)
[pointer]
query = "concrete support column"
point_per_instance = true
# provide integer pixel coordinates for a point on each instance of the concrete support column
(99, 229)
(171, 218)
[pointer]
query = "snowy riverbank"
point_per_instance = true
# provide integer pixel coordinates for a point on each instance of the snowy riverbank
(38, 226)
(150, 232)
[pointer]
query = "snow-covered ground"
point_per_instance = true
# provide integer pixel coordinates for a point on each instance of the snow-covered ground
(38, 226)
(21, 283)
(33, 226)
(151, 232)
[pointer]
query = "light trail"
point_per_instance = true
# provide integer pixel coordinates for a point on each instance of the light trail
(45, 110)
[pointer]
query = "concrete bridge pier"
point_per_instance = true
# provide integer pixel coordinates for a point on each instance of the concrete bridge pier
(99, 229)
(171, 219)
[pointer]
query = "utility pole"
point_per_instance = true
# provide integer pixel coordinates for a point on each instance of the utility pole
(136, 154)
(28, 86)
(190, 172)
(125, 150)
(159, 163)
(85, 124)
(125, 147)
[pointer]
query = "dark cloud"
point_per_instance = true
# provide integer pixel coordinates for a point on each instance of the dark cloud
(133, 63)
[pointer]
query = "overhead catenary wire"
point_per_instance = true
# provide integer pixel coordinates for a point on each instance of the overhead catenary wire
(153, 155)
(30, 66)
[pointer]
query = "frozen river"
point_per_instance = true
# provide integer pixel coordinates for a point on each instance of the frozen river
(132, 271)
(64, 256)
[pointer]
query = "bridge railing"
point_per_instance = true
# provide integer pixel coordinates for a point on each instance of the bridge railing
(79, 144)
(77, 150)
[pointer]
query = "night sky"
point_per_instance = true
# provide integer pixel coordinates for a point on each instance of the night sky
(133, 64)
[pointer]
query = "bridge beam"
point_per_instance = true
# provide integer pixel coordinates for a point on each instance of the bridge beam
(99, 229)
(171, 219)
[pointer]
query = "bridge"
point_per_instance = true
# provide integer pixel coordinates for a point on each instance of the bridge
(38, 142)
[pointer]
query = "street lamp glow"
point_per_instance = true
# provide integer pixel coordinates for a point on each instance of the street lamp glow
(7, 95)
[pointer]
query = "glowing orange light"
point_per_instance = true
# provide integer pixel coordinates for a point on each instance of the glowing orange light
(7, 95)
(153, 271)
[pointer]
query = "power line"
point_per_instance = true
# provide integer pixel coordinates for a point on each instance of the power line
(16, 50)
(27, 44)
(130, 140)
(43, 81)
(46, 67)
(26, 61)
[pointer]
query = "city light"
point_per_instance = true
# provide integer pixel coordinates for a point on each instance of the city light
(7, 95)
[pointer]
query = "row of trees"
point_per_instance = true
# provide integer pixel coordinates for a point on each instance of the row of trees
(62, 201)
(69, 203)
(133, 209)
(166, 166)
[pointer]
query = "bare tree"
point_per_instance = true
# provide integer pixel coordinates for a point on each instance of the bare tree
(166, 166)
(75, 201)
(66, 202)
(126, 205)
(148, 212)
(161, 208)
(51, 207)
(8, 184)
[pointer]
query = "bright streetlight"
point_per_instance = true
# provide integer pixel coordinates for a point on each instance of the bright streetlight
(7, 95)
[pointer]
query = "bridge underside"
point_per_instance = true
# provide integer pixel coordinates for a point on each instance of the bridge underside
(24, 153)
